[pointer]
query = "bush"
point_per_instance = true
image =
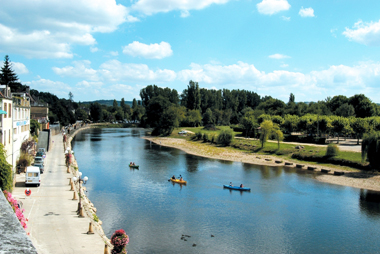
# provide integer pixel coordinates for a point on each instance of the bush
(225, 137)
(24, 160)
(206, 137)
(332, 150)
(5, 171)
(213, 139)
(199, 135)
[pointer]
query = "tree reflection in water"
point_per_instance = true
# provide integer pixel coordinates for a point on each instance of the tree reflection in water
(369, 202)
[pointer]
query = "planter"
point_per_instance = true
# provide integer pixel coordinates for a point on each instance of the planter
(311, 168)
(300, 165)
(325, 170)
(338, 173)
(288, 163)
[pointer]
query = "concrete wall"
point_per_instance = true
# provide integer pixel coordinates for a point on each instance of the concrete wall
(43, 140)
(13, 238)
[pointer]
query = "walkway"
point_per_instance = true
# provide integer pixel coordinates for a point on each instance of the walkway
(53, 225)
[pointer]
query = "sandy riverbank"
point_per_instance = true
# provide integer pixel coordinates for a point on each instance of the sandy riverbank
(355, 178)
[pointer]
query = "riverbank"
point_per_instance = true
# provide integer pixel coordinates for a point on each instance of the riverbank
(352, 178)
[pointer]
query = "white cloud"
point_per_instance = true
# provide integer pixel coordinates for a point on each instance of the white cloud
(114, 53)
(152, 51)
(94, 49)
(314, 85)
(48, 29)
(284, 65)
(185, 14)
(57, 88)
(306, 12)
(149, 7)
(116, 71)
(285, 18)
(19, 68)
(278, 56)
(270, 7)
(80, 69)
(364, 33)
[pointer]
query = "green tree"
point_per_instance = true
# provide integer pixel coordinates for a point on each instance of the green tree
(193, 96)
(371, 149)
(249, 123)
(359, 126)
(5, 171)
(225, 137)
(265, 128)
(292, 98)
(96, 112)
(278, 135)
(193, 118)
(363, 106)
(34, 126)
(8, 76)
(81, 114)
(340, 125)
(345, 110)
(207, 117)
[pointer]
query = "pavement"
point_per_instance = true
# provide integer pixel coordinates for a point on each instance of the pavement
(54, 226)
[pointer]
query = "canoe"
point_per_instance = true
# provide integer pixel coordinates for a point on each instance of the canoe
(178, 181)
(237, 188)
(134, 166)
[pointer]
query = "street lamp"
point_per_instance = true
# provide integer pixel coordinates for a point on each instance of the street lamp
(80, 180)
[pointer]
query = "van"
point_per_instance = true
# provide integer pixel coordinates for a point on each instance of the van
(32, 175)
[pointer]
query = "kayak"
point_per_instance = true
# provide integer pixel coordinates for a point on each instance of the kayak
(133, 166)
(178, 181)
(237, 188)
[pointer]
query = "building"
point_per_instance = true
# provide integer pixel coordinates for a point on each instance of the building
(6, 123)
(40, 111)
(21, 122)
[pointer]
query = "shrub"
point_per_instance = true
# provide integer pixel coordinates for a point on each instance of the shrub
(199, 135)
(332, 150)
(213, 139)
(24, 160)
(5, 171)
(206, 137)
(371, 149)
(225, 137)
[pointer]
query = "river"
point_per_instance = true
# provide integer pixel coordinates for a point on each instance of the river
(287, 211)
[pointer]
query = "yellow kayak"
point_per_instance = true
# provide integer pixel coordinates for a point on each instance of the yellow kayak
(178, 181)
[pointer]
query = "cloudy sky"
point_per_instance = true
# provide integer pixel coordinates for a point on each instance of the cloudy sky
(106, 49)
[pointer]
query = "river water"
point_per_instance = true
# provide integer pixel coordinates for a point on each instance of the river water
(287, 211)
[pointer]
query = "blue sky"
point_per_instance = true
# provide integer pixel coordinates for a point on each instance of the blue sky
(106, 49)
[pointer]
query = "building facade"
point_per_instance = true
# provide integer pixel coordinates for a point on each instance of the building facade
(6, 105)
(21, 122)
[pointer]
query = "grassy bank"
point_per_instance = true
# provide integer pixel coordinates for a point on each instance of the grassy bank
(310, 153)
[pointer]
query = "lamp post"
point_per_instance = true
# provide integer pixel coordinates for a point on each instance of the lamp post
(80, 180)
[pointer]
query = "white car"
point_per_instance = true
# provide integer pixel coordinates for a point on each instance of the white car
(182, 132)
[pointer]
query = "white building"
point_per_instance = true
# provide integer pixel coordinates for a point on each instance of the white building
(6, 121)
(21, 122)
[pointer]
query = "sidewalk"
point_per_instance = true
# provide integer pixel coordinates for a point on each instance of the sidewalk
(54, 225)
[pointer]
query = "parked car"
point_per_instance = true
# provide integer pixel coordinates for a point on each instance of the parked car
(182, 132)
(42, 150)
(40, 166)
(38, 159)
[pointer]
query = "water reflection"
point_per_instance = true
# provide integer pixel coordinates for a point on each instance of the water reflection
(369, 202)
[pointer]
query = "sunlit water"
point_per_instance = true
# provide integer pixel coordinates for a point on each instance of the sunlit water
(287, 211)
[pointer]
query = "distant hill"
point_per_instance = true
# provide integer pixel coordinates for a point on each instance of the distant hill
(106, 102)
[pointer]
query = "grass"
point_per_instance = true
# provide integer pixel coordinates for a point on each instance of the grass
(271, 148)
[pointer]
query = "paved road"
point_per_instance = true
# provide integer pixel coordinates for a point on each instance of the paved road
(53, 225)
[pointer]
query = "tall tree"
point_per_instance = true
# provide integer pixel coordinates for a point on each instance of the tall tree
(193, 96)
(266, 129)
(8, 76)
(292, 98)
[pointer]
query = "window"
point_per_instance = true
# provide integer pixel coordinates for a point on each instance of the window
(5, 109)
(15, 131)
(5, 138)
(10, 110)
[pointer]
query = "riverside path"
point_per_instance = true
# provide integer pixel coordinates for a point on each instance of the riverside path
(54, 226)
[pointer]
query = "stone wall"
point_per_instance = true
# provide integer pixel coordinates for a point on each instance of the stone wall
(13, 238)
